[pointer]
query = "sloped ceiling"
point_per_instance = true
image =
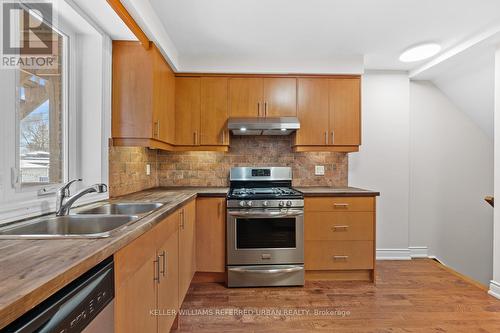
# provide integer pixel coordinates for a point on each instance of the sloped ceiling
(470, 86)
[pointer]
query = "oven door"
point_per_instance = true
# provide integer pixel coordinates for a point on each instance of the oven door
(265, 236)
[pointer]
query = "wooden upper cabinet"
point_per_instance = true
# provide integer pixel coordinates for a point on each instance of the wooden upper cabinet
(214, 111)
(263, 97)
(280, 97)
(345, 112)
(132, 98)
(245, 97)
(142, 93)
(166, 116)
(187, 111)
(313, 111)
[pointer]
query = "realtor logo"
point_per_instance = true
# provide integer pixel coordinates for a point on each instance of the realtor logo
(28, 40)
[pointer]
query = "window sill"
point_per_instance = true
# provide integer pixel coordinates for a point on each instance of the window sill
(13, 211)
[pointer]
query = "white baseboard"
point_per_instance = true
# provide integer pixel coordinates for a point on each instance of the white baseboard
(393, 254)
(419, 251)
(403, 254)
(494, 289)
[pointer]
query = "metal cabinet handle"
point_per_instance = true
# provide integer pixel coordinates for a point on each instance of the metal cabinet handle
(326, 137)
(157, 269)
(182, 219)
(341, 205)
(340, 257)
(156, 129)
(265, 109)
(333, 137)
(337, 227)
(258, 109)
(267, 271)
(164, 263)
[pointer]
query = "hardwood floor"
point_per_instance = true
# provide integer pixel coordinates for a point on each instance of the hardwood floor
(409, 296)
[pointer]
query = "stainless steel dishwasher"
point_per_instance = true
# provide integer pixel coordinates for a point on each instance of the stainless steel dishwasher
(85, 305)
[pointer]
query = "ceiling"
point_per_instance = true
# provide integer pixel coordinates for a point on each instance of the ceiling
(247, 33)
(102, 14)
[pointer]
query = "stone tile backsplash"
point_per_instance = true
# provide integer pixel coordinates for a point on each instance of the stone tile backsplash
(127, 165)
(127, 170)
(212, 168)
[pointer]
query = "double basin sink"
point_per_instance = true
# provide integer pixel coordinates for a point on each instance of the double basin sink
(95, 221)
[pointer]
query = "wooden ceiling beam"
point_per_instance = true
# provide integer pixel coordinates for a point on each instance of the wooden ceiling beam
(130, 22)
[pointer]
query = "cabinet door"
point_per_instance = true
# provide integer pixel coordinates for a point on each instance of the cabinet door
(164, 100)
(312, 112)
(187, 111)
(136, 268)
(345, 112)
(245, 97)
(187, 249)
(214, 111)
(211, 234)
(168, 288)
(132, 96)
(280, 97)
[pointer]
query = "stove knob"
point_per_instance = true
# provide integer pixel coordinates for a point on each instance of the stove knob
(249, 203)
(242, 203)
(288, 203)
(265, 203)
(281, 203)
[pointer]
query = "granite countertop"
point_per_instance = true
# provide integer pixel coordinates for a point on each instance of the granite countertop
(33, 270)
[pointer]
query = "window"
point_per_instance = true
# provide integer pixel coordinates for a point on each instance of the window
(55, 120)
(41, 119)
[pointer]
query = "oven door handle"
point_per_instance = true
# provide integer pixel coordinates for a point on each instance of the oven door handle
(266, 214)
(267, 271)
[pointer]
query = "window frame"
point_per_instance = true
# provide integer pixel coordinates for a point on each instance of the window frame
(20, 205)
(68, 106)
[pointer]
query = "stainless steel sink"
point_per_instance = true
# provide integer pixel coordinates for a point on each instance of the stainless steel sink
(136, 208)
(70, 226)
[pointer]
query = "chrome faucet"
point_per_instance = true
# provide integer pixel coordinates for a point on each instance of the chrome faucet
(64, 199)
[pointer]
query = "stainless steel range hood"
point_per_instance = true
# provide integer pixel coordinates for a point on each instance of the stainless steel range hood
(263, 126)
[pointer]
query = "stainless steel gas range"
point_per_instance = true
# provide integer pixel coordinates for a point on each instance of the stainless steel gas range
(265, 228)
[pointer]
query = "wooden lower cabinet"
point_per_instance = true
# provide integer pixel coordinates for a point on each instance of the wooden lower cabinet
(187, 248)
(332, 255)
(153, 273)
(211, 235)
(168, 254)
(136, 286)
(339, 238)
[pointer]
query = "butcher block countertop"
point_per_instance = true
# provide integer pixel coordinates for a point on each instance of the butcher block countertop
(320, 191)
(33, 270)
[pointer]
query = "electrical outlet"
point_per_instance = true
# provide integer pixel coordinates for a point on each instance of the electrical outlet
(148, 169)
(319, 170)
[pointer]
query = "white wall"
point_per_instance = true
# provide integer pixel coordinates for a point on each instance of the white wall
(495, 284)
(470, 86)
(433, 165)
(382, 163)
(451, 163)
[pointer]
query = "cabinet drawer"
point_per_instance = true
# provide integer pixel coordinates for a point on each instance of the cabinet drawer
(338, 226)
(333, 255)
(340, 204)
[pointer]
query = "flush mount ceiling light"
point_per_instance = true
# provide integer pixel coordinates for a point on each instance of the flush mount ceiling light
(420, 52)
